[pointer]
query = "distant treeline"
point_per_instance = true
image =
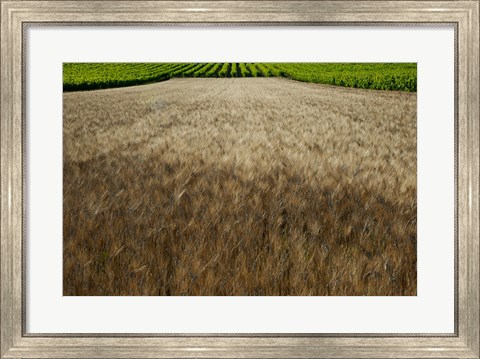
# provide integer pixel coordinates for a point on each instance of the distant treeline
(378, 76)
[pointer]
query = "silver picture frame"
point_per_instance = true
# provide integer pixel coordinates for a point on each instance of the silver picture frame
(16, 16)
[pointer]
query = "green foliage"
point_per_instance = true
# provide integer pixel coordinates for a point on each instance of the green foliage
(78, 76)
(213, 71)
(253, 70)
(244, 71)
(192, 71)
(380, 76)
(263, 70)
(233, 70)
(224, 70)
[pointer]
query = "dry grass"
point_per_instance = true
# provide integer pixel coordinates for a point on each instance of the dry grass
(239, 187)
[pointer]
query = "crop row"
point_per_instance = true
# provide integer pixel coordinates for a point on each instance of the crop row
(384, 76)
(377, 76)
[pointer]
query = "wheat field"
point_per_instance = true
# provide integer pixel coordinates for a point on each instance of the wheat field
(246, 186)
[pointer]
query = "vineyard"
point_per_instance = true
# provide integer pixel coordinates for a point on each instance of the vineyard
(379, 76)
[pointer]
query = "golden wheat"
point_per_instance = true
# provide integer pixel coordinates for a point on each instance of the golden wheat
(239, 187)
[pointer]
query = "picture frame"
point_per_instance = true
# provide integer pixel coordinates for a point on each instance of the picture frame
(16, 343)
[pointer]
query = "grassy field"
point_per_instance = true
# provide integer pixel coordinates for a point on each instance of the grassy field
(239, 186)
(379, 76)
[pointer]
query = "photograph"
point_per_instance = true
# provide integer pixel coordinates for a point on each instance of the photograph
(239, 179)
